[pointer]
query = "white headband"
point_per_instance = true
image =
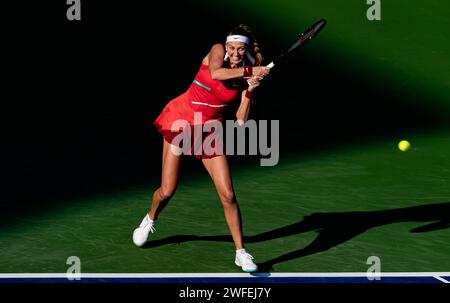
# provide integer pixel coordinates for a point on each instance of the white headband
(238, 38)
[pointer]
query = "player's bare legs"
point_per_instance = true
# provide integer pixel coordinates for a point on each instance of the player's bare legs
(169, 180)
(219, 171)
(161, 196)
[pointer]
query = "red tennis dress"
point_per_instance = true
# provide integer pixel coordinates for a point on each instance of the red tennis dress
(202, 106)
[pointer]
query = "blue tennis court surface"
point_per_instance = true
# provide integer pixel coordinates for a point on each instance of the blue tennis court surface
(230, 278)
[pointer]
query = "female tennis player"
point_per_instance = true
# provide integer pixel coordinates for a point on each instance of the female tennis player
(229, 70)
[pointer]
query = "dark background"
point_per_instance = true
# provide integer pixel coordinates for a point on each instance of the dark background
(79, 97)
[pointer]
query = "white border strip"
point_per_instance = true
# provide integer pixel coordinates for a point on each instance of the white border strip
(210, 105)
(227, 275)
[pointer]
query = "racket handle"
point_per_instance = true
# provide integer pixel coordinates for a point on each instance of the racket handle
(270, 65)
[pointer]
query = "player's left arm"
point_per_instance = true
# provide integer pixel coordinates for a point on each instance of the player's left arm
(247, 99)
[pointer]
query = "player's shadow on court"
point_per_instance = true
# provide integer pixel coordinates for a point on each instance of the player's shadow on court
(333, 229)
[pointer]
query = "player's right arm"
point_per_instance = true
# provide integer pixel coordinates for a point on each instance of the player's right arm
(218, 72)
(216, 69)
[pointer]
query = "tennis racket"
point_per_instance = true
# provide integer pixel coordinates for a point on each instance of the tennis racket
(301, 40)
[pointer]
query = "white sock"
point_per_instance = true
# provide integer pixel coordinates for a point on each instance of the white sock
(151, 221)
(240, 251)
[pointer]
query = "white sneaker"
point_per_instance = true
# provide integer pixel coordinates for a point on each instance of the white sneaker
(140, 234)
(245, 260)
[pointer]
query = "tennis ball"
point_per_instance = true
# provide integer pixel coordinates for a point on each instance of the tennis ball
(404, 145)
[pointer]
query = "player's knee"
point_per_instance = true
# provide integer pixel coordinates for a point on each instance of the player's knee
(167, 191)
(227, 197)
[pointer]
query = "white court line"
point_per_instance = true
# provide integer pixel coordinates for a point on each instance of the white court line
(441, 279)
(228, 275)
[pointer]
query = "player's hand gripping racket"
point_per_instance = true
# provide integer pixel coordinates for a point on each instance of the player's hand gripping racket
(301, 40)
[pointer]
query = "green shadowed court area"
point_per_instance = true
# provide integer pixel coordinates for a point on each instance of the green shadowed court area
(408, 48)
(326, 212)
